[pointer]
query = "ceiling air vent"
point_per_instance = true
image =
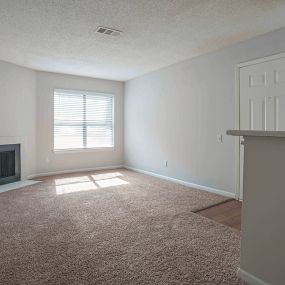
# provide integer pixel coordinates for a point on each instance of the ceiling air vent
(108, 31)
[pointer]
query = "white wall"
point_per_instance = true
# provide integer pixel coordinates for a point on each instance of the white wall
(47, 160)
(176, 113)
(18, 109)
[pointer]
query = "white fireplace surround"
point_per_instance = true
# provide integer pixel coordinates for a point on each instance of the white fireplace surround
(23, 150)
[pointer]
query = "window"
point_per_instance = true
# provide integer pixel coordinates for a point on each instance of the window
(83, 120)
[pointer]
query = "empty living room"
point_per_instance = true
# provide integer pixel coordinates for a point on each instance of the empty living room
(142, 142)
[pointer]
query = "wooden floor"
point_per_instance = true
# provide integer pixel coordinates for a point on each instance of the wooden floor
(227, 213)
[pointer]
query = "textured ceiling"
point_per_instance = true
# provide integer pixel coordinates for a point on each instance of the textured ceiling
(59, 35)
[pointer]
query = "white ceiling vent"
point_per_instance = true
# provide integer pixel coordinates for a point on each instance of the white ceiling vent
(108, 31)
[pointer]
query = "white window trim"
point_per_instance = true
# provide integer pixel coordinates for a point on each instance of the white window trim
(77, 150)
(80, 150)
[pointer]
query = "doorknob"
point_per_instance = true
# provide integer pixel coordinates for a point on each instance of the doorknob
(242, 141)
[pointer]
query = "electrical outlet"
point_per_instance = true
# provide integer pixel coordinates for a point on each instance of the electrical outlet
(165, 163)
(219, 138)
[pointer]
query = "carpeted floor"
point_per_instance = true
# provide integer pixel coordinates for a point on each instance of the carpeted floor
(113, 227)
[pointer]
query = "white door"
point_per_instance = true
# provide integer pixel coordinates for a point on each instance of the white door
(262, 100)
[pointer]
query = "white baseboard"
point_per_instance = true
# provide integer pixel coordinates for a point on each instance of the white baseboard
(249, 278)
(74, 171)
(185, 183)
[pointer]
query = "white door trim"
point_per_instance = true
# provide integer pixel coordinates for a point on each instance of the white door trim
(260, 60)
(237, 111)
(237, 127)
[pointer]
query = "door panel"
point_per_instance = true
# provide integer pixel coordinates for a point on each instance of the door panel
(262, 99)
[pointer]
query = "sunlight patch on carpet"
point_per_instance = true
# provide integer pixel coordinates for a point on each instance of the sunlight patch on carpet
(87, 183)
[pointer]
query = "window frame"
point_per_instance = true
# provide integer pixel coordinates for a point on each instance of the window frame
(93, 149)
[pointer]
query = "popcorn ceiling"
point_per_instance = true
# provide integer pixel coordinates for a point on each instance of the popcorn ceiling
(60, 36)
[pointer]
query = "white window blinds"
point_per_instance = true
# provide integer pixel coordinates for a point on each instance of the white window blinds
(83, 120)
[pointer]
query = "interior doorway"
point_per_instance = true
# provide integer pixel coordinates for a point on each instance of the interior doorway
(261, 100)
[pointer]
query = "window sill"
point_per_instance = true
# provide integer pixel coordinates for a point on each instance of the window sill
(78, 150)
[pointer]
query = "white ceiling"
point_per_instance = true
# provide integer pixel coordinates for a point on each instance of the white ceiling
(59, 35)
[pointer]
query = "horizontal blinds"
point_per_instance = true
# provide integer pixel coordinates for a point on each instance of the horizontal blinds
(82, 120)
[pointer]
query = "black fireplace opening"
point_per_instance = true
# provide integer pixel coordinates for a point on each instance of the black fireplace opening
(10, 163)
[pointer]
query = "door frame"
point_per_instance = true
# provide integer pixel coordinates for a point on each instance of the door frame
(237, 112)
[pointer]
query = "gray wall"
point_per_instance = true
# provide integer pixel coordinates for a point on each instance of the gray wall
(263, 231)
(18, 108)
(26, 111)
(176, 113)
(47, 160)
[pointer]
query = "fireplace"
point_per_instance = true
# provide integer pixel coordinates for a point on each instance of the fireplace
(10, 163)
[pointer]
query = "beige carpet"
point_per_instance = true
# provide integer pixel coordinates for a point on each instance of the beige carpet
(113, 227)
